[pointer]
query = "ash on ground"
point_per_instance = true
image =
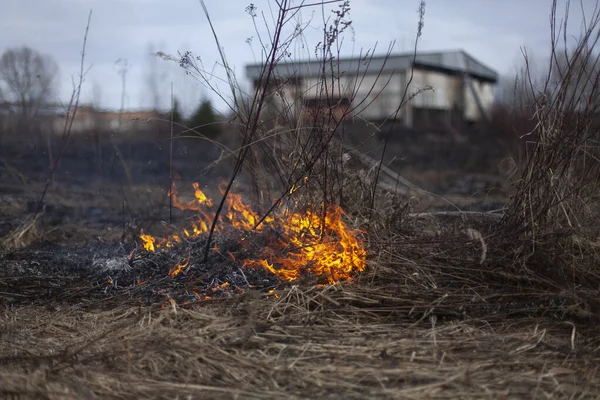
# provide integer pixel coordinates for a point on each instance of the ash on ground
(97, 272)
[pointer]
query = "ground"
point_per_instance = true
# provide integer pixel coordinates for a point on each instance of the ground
(308, 343)
(438, 312)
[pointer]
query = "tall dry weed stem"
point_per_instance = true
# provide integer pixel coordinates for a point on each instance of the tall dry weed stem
(291, 153)
(559, 187)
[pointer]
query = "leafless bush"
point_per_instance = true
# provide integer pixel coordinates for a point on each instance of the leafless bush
(559, 188)
(289, 150)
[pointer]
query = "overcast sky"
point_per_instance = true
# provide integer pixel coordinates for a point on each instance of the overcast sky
(492, 31)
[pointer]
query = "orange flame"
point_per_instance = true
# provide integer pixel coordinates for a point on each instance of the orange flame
(141, 282)
(310, 242)
(326, 249)
(148, 242)
(193, 205)
(179, 268)
(221, 286)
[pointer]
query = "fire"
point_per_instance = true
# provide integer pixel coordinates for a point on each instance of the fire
(221, 286)
(240, 215)
(315, 241)
(321, 245)
(148, 242)
(194, 205)
(179, 268)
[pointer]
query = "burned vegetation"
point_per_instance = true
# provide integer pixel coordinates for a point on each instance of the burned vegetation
(295, 250)
(245, 253)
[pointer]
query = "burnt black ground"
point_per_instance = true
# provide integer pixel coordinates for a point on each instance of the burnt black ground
(55, 274)
(91, 208)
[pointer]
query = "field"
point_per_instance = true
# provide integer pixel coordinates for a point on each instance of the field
(338, 342)
(445, 308)
(310, 254)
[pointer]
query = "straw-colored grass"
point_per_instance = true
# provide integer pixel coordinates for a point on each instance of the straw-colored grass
(445, 309)
(308, 343)
(450, 306)
(27, 232)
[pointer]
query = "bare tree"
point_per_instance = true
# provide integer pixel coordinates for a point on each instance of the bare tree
(29, 79)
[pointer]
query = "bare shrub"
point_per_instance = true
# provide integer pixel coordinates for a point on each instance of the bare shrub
(293, 152)
(558, 188)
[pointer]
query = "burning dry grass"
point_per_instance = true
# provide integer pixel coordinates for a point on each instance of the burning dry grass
(428, 318)
(446, 308)
(308, 343)
(310, 239)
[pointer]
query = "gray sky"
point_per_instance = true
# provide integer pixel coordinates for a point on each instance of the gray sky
(492, 31)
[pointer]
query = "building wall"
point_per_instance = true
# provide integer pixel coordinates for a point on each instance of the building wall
(485, 92)
(436, 90)
(374, 97)
(314, 88)
(377, 97)
(451, 92)
(85, 121)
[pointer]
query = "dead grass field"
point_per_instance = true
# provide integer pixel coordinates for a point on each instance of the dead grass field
(493, 305)
(425, 320)
(308, 343)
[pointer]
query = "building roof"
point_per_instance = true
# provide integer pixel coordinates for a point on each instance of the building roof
(450, 61)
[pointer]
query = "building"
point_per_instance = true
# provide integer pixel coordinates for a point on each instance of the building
(51, 119)
(89, 119)
(14, 116)
(445, 86)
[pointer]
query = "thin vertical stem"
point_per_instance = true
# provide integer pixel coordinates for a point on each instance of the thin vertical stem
(171, 159)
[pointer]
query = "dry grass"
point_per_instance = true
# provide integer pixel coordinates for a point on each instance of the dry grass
(436, 315)
(309, 343)
(448, 307)
(559, 188)
(443, 311)
(27, 232)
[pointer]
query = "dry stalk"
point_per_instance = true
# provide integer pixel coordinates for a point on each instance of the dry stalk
(303, 155)
(28, 232)
(405, 95)
(559, 184)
